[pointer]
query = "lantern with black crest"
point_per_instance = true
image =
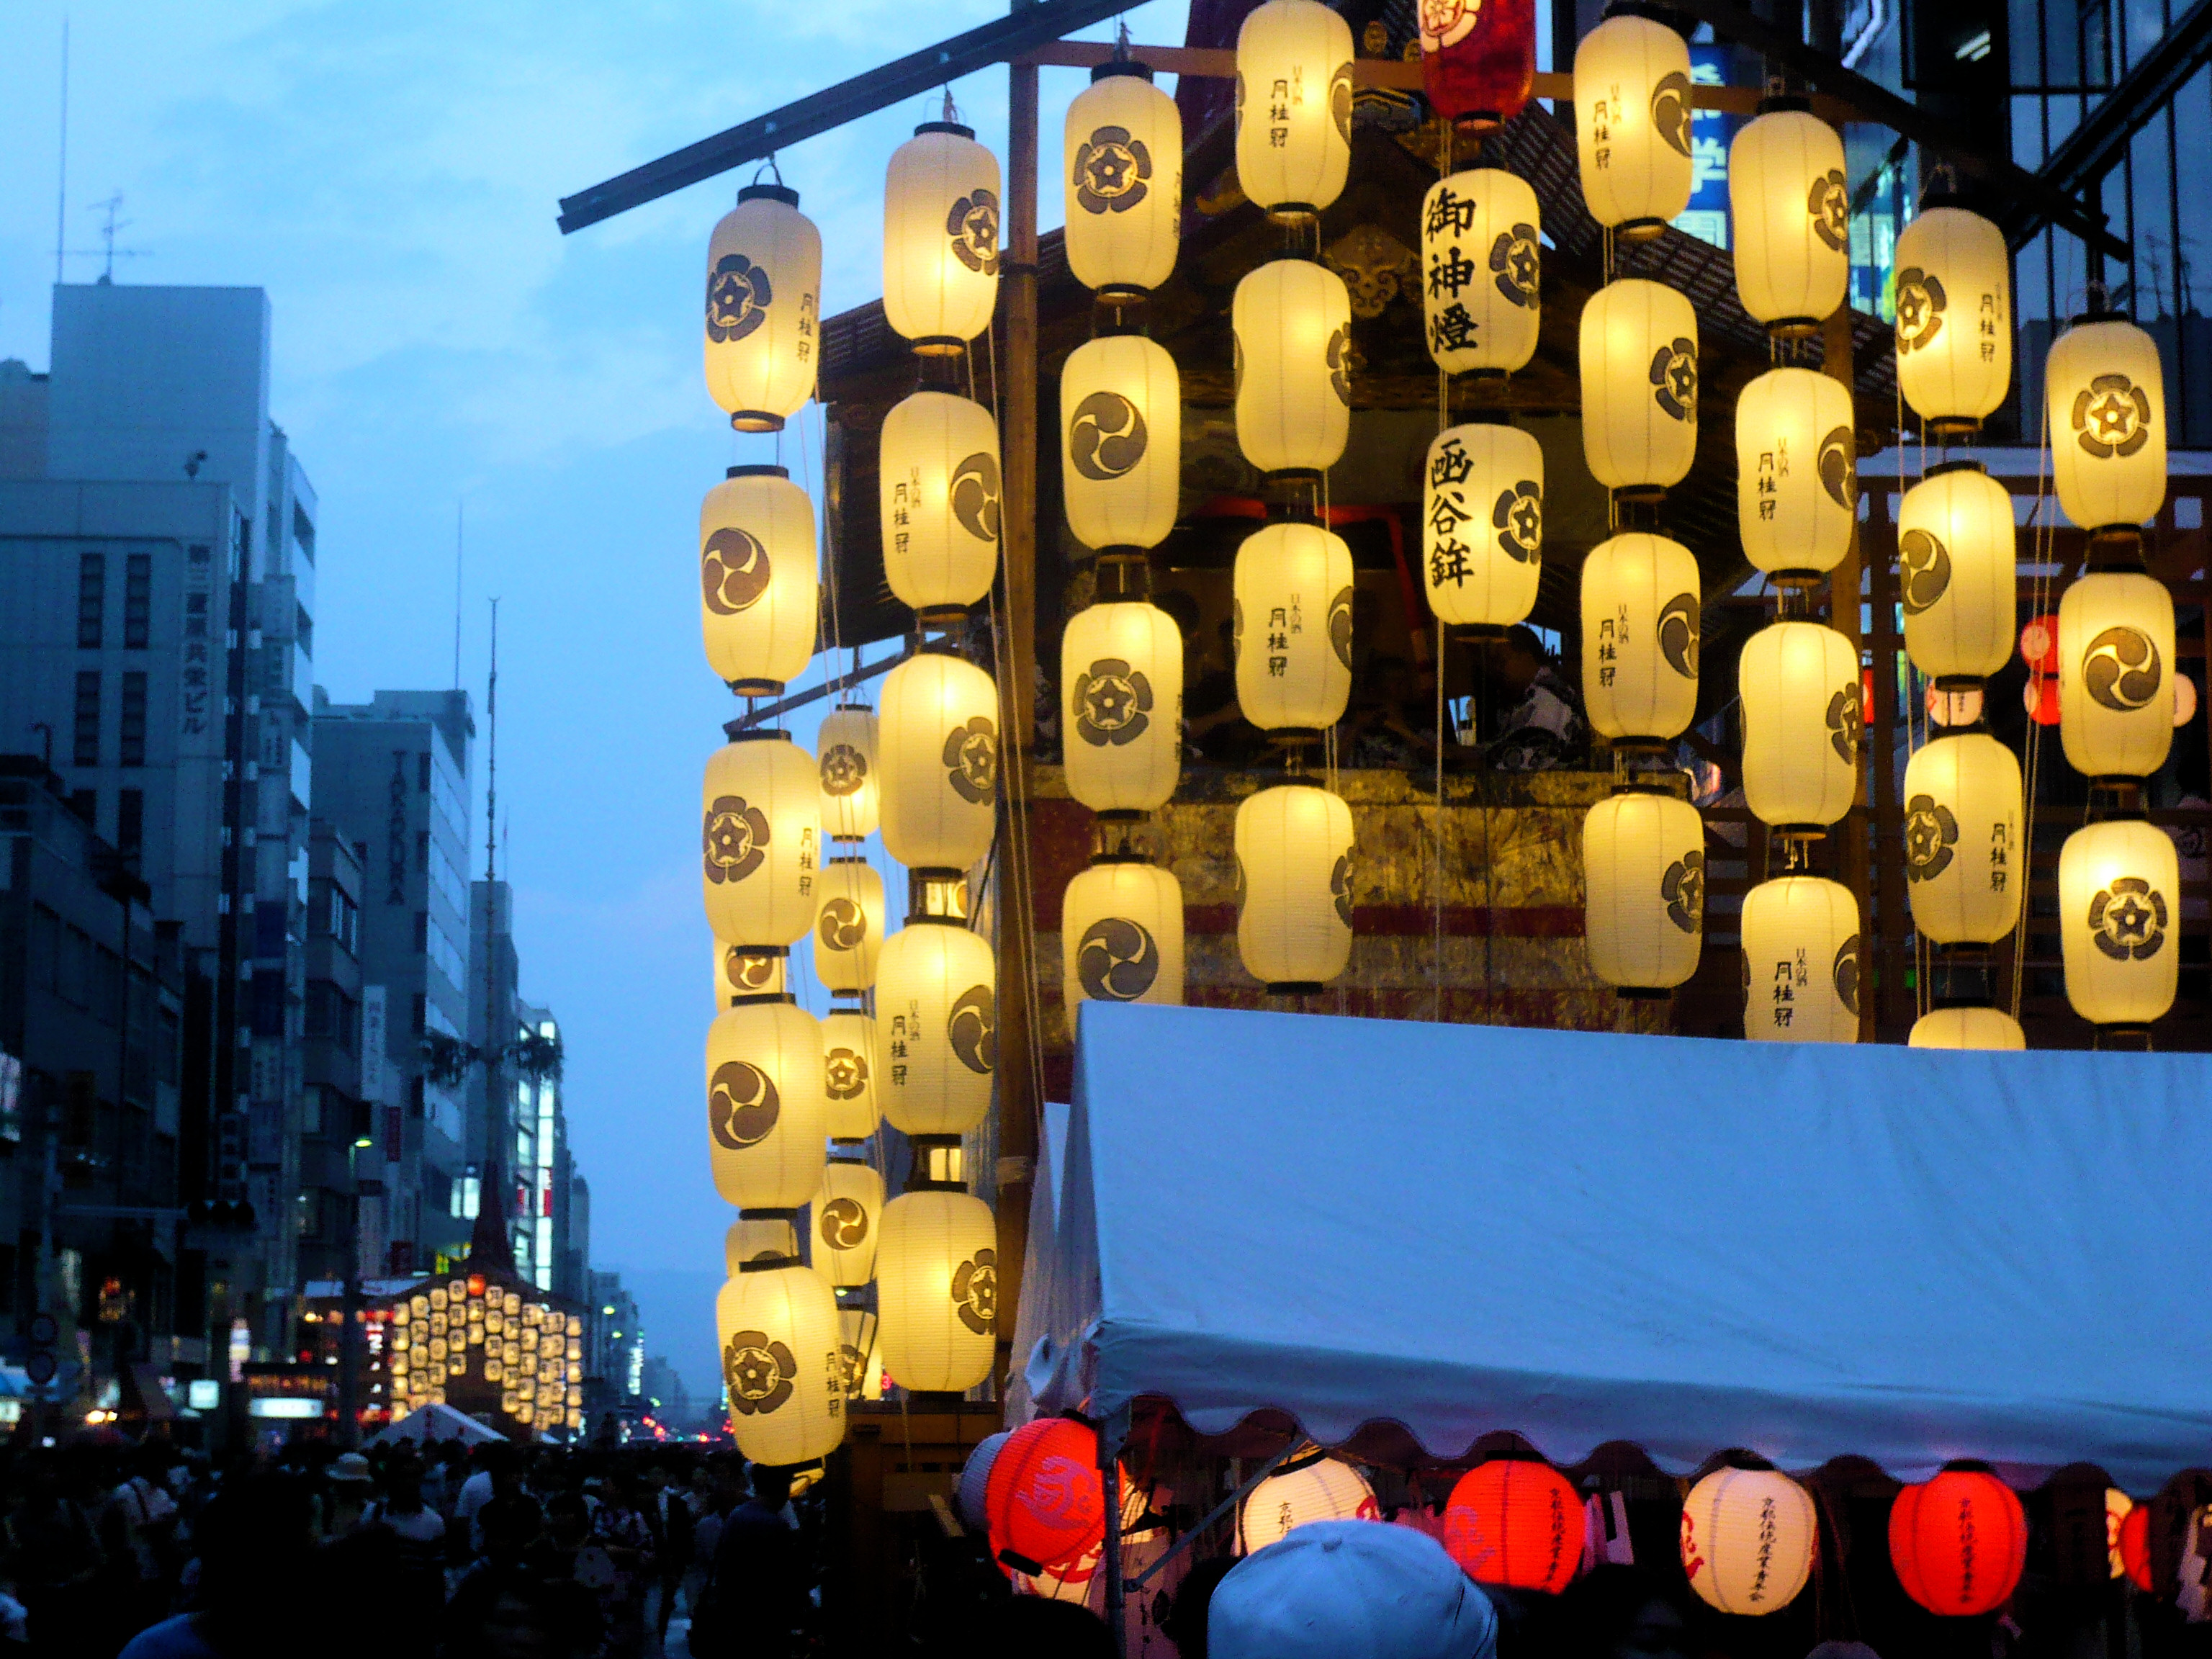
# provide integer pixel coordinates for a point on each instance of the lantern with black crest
(1291, 635)
(1481, 271)
(1643, 870)
(1633, 122)
(1638, 362)
(1641, 614)
(2119, 918)
(1293, 106)
(1122, 173)
(1802, 718)
(758, 599)
(941, 225)
(1121, 676)
(1120, 418)
(763, 308)
(1120, 933)
(1798, 487)
(1954, 307)
(1789, 209)
(1291, 324)
(1294, 872)
(777, 1326)
(1801, 970)
(939, 491)
(1482, 525)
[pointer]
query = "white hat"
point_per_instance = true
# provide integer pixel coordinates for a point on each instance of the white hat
(1351, 1589)
(352, 1466)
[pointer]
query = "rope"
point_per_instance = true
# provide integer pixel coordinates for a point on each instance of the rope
(2039, 604)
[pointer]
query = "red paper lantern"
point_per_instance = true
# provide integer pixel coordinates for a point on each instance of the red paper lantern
(2134, 1546)
(2038, 694)
(1478, 59)
(2038, 645)
(1516, 1523)
(1045, 1501)
(1957, 1542)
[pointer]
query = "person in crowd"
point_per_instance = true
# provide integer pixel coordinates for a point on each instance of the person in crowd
(755, 1601)
(620, 1528)
(256, 1583)
(670, 1513)
(418, 1535)
(58, 1562)
(345, 1496)
(1543, 729)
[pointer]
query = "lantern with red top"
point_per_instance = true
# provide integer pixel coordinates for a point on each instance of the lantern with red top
(1478, 60)
(2133, 1547)
(1045, 1503)
(1516, 1522)
(1958, 1541)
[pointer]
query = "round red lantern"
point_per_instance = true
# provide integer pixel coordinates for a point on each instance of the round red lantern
(1045, 1503)
(1516, 1523)
(1957, 1541)
(2038, 694)
(2038, 645)
(1478, 59)
(2134, 1546)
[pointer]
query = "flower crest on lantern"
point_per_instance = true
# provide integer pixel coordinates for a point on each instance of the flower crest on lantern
(778, 1331)
(763, 288)
(2118, 881)
(1638, 364)
(937, 1289)
(1478, 59)
(2104, 401)
(1123, 140)
(940, 237)
(1954, 316)
(1482, 532)
(1482, 267)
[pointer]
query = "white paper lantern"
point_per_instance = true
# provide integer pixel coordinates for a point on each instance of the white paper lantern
(936, 1290)
(763, 308)
(1122, 170)
(852, 788)
(778, 1332)
(1121, 423)
(1633, 124)
(1965, 864)
(941, 198)
(749, 970)
(848, 933)
(1292, 636)
(1291, 320)
(1482, 530)
(1800, 962)
(766, 1117)
(1800, 686)
(1956, 572)
(1797, 471)
(1791, 210)
(1748, 1540)
(2115, 674)
(1294, 847)
(860, 1354)
(847, 1211)
(1954, 318)
(1640, 602)
(761, 840)
(758, 600)
(2105, 398)
(937, 1026)
(939, 731)
(753, 1238)
(852, 1061)
(2119, 917)
(1309, 1486)
(1639, 383)
(1481, 270)
(1293, 106)
(1121, 934)
(1966, 1027)
(1120, 678)
(940, 488)
(1643, 871)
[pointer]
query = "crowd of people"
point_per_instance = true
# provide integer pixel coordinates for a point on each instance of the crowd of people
(403, 1552)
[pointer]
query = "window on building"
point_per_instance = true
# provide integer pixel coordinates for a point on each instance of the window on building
(46, 946)
(311, 1106)
(422, 772)
(91, 599)
(73, 982)
(422, 849)
(131, 825)
(86, 744)
(138, 601)
(421, 930)
(342, 919)
(303, 532)
(422, 1024)
(131, 730)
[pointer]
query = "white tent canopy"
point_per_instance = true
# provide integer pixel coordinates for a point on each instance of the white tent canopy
(1808, 1250)
(437, 1421)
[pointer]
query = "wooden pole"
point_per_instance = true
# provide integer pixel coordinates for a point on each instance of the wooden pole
(1017, 905)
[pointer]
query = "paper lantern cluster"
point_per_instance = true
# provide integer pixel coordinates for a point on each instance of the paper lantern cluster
(468, 1328)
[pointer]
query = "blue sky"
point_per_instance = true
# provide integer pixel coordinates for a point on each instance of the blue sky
(390, 174)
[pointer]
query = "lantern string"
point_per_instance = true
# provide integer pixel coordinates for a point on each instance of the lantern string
(2040, 591)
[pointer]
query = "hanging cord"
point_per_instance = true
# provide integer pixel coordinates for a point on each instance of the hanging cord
(1437, 881)
(2038, 605)
(1920, 948)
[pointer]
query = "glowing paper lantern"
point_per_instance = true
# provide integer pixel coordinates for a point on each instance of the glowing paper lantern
(941, 199)
(936, 1290)
(1966, 1027)
(1293, 106)
(1641, 623)
(1957, 1542)
(1640, 381)
(766, 1119)
(848, 933)
(857, 1356)
(1121, 934)
(940, 490)
(2105, 398)
(1291, 319)
(1293, 640)
(1309, 1486)
(1632, 130)
(1120, 422)
(1478, 59)
(1045, 1501)
(750, 1239)
(1643, 866)
(937, 1011)
(1120, 673)
(939, 731)
(1791, 210)
(760, 834)
(1122, 171)
(1294, 845)
(2116, 658)
(1956, 581)
(763, 308)
(757, 597)
(1514, 1523)
(2119, 911)
(1800, 962)
(2132, 1547)
(1797, 471)
(1965, 864)
(1482, 531)
(1749, 1538)
(749, 971)
(1482, 269)
(1800, 689)
(850, 1067)
(846, 1211)
(1954, 318)
(779, 1334)
(852, 788)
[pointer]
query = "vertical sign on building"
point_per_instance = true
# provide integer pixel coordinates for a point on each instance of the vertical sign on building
(195, 685)
(1711, 132)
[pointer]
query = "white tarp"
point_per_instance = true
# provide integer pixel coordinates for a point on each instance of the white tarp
(437, 1421)
(1808, 1249)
